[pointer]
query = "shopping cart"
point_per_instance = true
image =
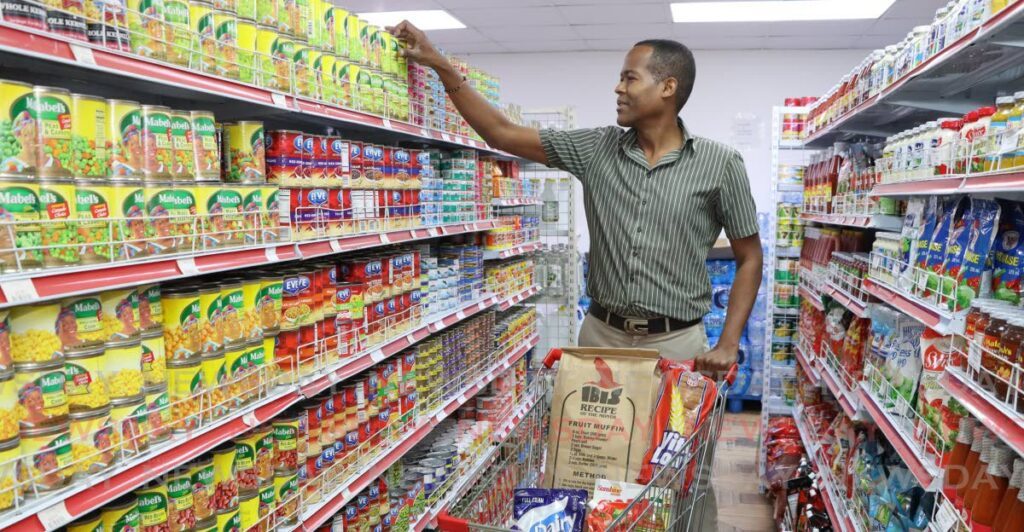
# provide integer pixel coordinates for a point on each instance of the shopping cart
(674, 500)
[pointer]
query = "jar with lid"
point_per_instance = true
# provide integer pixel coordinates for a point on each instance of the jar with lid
(877, 73)
(887, 69)
(1010, 343)
(981, 139)
(921, 45)
(943, 162)
(937, 39)
(904, 56)
(965, 148)
(999, 135)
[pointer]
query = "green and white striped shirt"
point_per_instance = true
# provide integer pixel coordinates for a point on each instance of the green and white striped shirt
(651, 228)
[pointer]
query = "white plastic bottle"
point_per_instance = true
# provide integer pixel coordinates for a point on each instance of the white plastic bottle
(549, 210)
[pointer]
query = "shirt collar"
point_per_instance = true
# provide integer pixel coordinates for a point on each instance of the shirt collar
(629, 144)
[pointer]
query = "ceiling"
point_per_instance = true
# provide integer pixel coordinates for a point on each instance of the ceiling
(517, 26)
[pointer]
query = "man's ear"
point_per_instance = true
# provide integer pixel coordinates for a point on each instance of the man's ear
(670, 88)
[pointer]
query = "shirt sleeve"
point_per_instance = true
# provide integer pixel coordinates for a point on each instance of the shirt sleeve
(571, 150)
(737, 211)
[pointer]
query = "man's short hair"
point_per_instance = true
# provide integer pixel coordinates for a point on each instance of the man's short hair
(672, 59)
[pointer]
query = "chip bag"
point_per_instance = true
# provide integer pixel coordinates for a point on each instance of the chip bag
(612, 498)
(685, 398)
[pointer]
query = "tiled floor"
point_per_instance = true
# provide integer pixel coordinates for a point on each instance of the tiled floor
(741, 507)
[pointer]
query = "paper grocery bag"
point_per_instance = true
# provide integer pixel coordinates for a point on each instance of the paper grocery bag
(600, 416)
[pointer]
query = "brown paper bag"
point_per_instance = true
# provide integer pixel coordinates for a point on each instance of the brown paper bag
(600, 417)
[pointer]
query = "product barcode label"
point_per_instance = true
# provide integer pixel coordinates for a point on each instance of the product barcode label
(1009, 141)
(271, 254)
(55, 516)
(945, 517)
(974, 355)
(187, 265)
(279, 99)
(19, 291)
(387, 123)
(335, 245)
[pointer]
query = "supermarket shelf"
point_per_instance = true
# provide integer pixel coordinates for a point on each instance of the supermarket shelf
(1003, 181)
(52, 284)
(811, 445)
(787, 253)
(863, 221)
(965, 75)
(521, 249)
(811, 297)
(429, 518)
(340, 496)
(83, 67)
(995, 415)
(941, 321)
(807, 365)
(854, 305)
(519, 298)
(58, 508)
(942, 186)
(847, 399)
(777, 406)
(791, 145)
(515, 202)
(785, 311)
(924, 469)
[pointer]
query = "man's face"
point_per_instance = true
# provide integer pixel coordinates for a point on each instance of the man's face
(639, 94)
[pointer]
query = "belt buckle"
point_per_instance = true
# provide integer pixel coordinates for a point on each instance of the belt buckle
(636, 327)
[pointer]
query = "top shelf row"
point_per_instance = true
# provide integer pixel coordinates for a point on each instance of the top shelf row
(959, 63)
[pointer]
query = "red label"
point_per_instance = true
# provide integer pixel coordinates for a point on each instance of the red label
(147, 358)
(82, 379)
(57, 210)
(99, 210)
(65, 121)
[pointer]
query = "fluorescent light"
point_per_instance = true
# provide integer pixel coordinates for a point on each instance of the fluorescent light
(779, 10)
(426, 19)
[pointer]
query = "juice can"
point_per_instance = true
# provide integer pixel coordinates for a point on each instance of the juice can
(204, 51)
(225, 33)
(266, 13)
(246, 9)
(179, 31)
(315, 81)
(284, 156)
(287, 16)
(157, 145)
(20, 201)
(89, 136)
(245, 158)
(19, 118)
(182, 146)
(124, 143)
(205, 147)
(252, 204)
(57, 223)
(122, 515)
(55, 121)
(323, 65)
(246, 49)
(301, 67)
(146, 28)
(270, 216)
(109, 36)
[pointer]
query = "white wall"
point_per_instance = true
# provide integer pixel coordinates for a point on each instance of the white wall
(735, 90)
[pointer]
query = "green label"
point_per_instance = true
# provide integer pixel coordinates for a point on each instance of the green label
(61, 448)
(160, 402)
(153, 508)
(256, 140)
(177, 202)
(197, 382)
(24, 105)
(212, 313)
(86, 308)
(256, 357)
(50, 386)
(232, 524)
(19, 200)
(272, 201)
(176, 12)
(226, 31)
(132, 207)
(190, 313)
(241, 364)
(203, 476)
(131, 122)
(51, 108)
(227, 199)
(288, 488)
(236, 299)
(158, 123)
(265, 444)
(128, 521)
(267, 496)
(205, 26)
(285, 436)
(181, 128)
(252, 201)
(48, 196)
(245, 456)
(90, 204)
(205, 128)
(179, 491)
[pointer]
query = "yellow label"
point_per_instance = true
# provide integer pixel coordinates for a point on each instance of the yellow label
(124, 139)
(89, 135)
(121, 313)
(15, 101)
(183, 382)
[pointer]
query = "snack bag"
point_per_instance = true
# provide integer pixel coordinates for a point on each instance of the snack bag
(928, 276)
(1007, 254)
(600, 416)
(939, 410)
(852, 354)
(684, 400)
(918, 226)
(611, 499)
(974, 279)
(544, 510)
(903, 366)
(959, 240)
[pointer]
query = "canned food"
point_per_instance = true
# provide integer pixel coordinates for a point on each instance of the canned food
(182, 333)
(225, 494)
(270, 219)
(211, 318)
(93, 208)
(128, 203)
(245, 159)
(252, 203)
(273, 53)
(179, 31)
(85, 379)
(251, 327)
(120, 315)
(323, 68)
(269, 302)
(18, 101)
(287, 16)
(53, 114)
(302, 67)
(297, 299)
(41, 395)
(268, 505)
(209, 525)
(202, 474)
(153, 507)
(91, 522)
(284, 157)
(47, 453)
(89, 136)
(269, 346)
(232, 311)
(34, 333)
(20, 201)
(246, 30)
(151, 310)
(215, 381)
(286, 438)
(341, 75)
(266, 13)
(301, 23)
(313, 72)
(146, 27)
(157, 145)
(154, 359)
(181, 514)
(205, 146)
(92, 437)
(204, 53)
(228, 520)
(124, 122)
(185, 388)
(130, 418)
(183, 157)
(79, 324)
(220, 215)
(226, 33)
(8, 407)
(122, 515)
(158, 408)
(243, 369)
(248, 509)
(286, 497)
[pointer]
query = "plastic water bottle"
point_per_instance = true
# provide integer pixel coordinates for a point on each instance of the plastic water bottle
(549, 210)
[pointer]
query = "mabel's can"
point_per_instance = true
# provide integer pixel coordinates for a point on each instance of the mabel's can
(89, 136)
(302, 67)
(54, 121)
(179, 31)
(18, 101)
(157, 143)
(225, 31)
(244, 156)
(57, 222)
(124, 144)
(205, 146)
(204, 52)
(182, 146)
(246, 30)
(146, 27)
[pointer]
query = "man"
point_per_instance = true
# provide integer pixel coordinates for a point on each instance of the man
(656, 200)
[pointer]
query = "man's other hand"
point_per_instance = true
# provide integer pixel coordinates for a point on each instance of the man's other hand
(418, 47)
(717, 362)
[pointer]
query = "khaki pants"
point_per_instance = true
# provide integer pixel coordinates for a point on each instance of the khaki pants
(685, 344)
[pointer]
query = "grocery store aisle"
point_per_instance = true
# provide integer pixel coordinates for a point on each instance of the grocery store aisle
(741, 508)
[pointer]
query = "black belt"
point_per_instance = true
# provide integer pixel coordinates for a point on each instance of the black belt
(640, 325)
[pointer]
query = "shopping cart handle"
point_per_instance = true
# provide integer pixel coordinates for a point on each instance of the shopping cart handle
(554, 355)
(730, 377)
(447, 523)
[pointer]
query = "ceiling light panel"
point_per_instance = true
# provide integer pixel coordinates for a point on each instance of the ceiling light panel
(778, 10)
(427, 19)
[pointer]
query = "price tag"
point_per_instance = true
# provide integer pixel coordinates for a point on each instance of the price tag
(434, 232)
(271, 254)
(20, 291)
(1009, 141)
(83, 54)
(187, 265)
(424, 132)
(250, 419)
(279, 99)
(387, 123)
(411, 338)
(55, 516)
(481, 305)
(460, 315)
(446, 137)
(335, 245)
(463, 398)
(439, 417)
(377, 355)
(473, 143)
(346, 493)
(945, 517)
(974, 355)
(384, 239)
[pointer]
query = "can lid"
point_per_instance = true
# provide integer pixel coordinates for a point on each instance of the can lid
(90, 414)
(22, 367)
(60, 426)
(180, 289)
(12, 443)
(156, 107)
(120, 402)
(246, 495)
(44, 88)
(126, 343)
(149, 334)
(85, 352)
(119, 102)
(213, 355)
(6, 374)
(186, 363)
(254, 342)
(149, 389)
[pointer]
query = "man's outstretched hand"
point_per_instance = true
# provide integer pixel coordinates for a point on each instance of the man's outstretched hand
(717, 362)
(418, 47)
